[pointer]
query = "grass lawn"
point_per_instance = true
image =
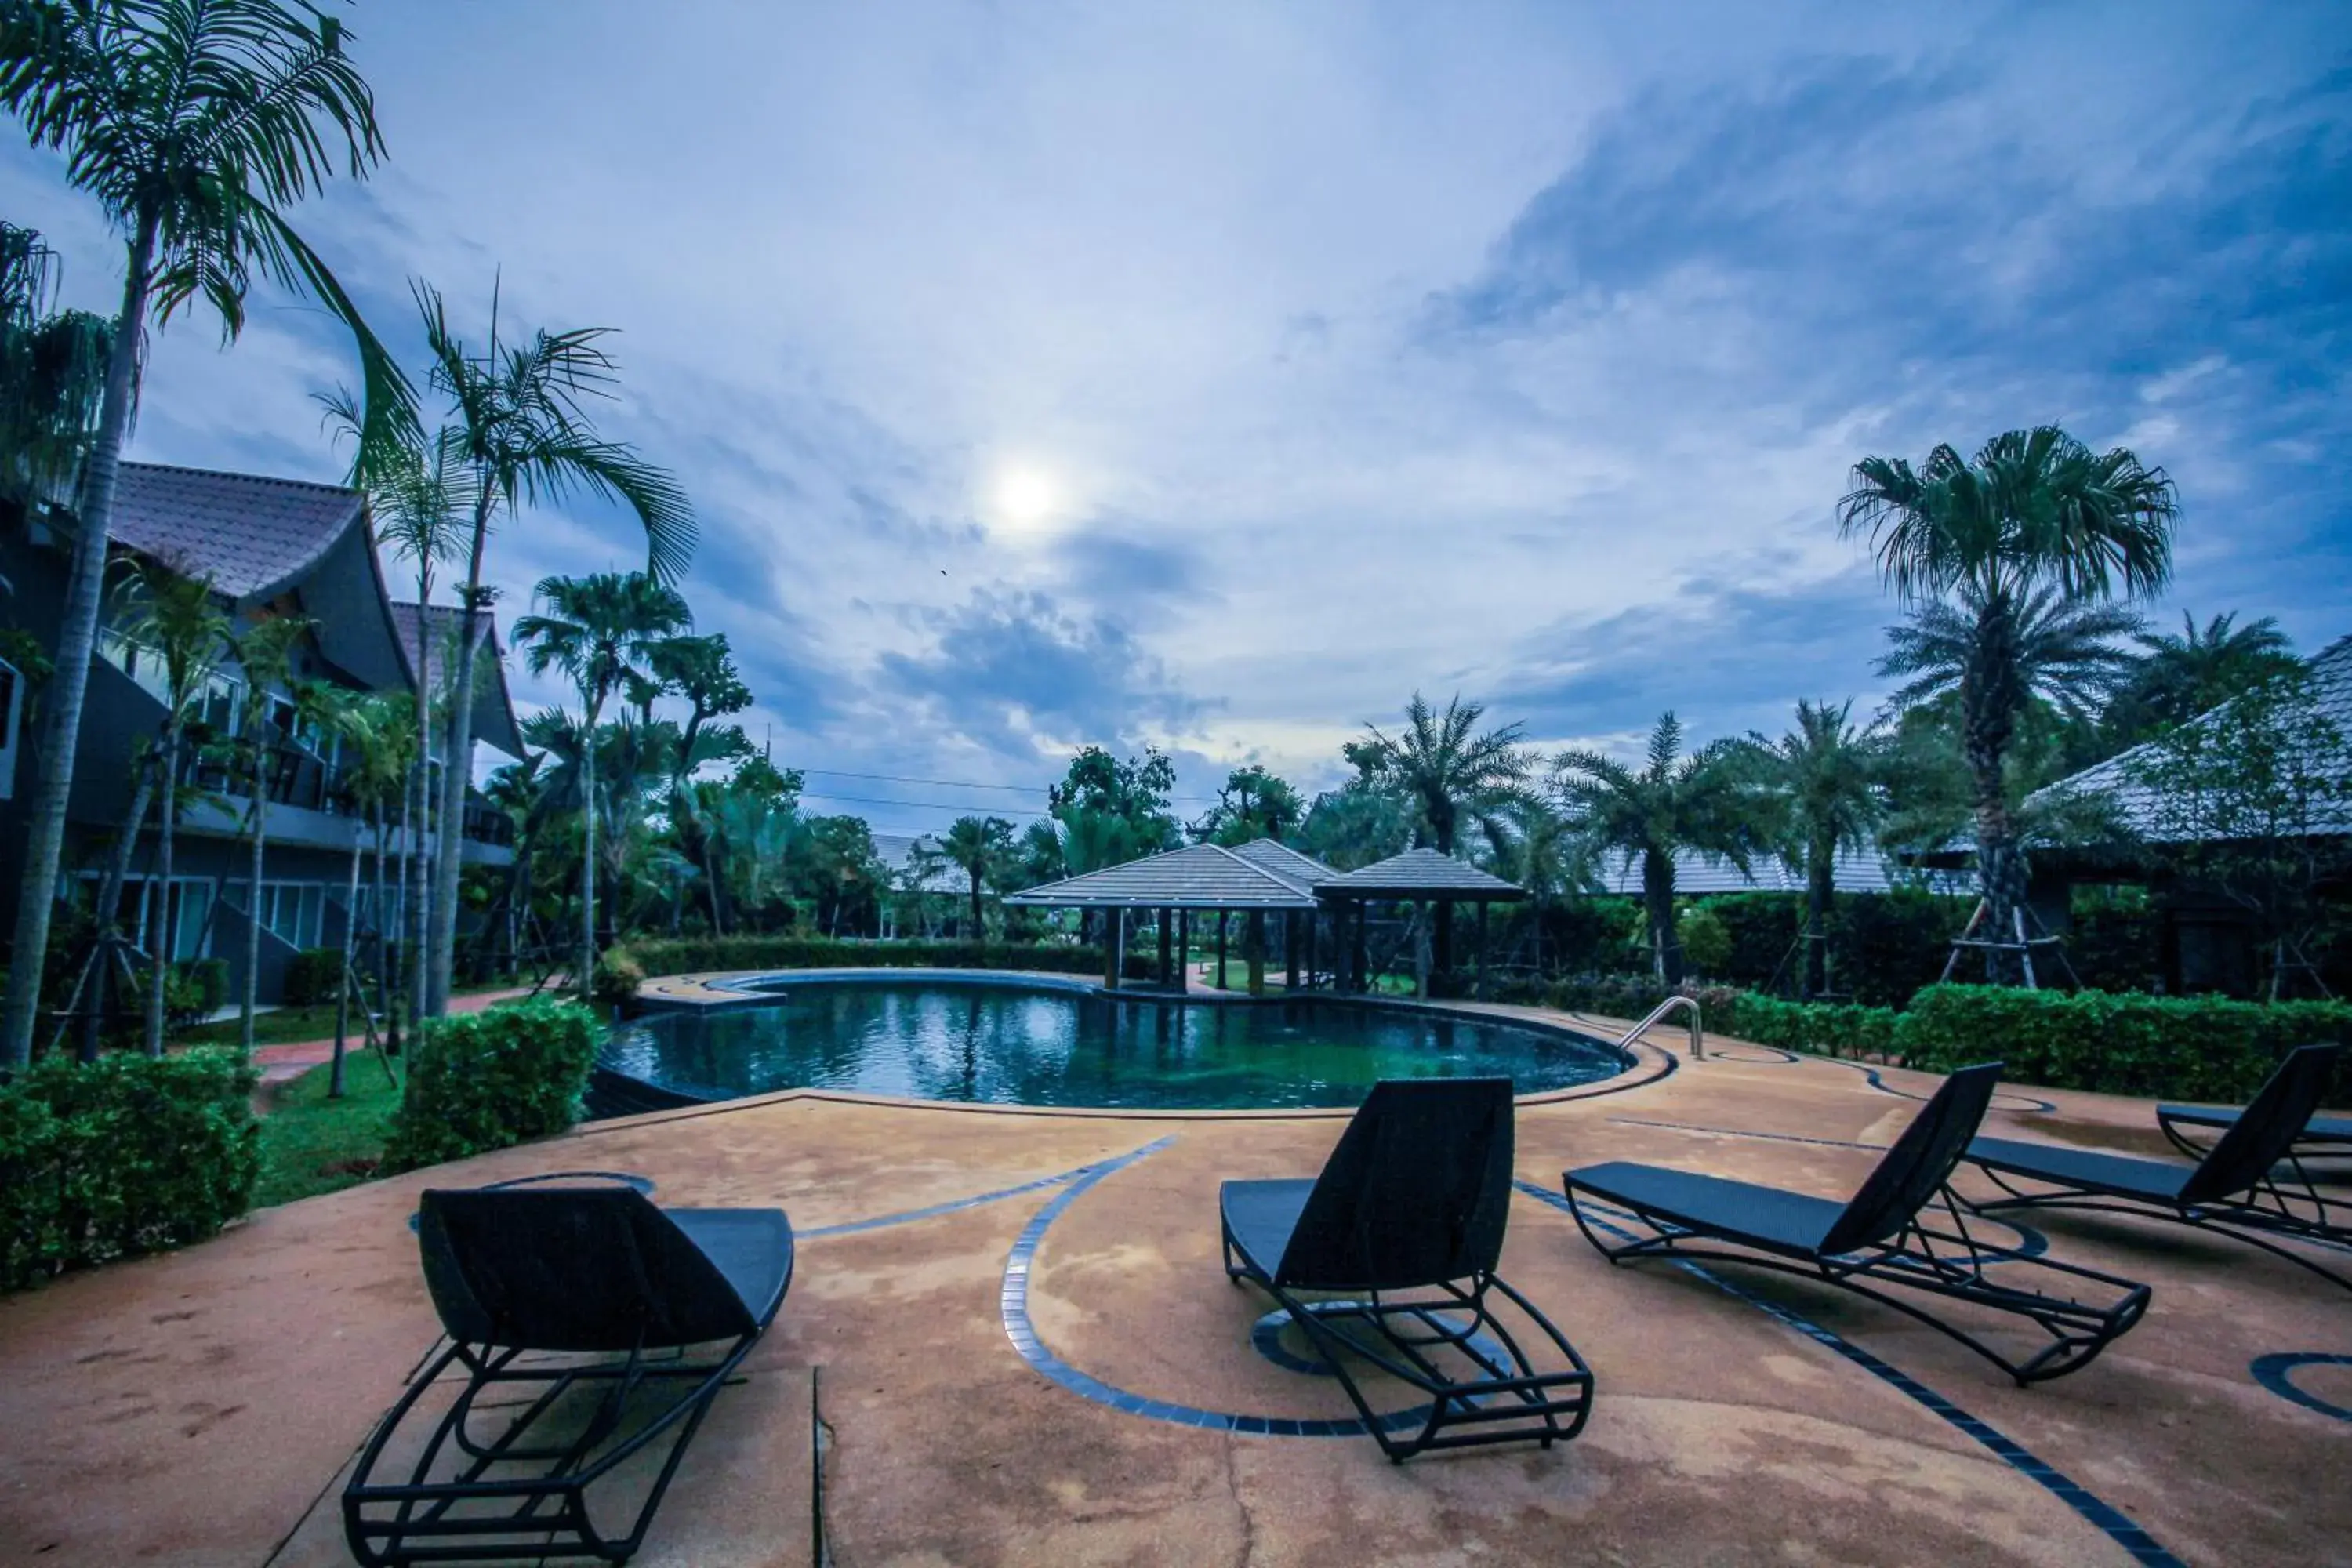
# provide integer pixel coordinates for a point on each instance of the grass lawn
(311, 1145)
(286, 1024)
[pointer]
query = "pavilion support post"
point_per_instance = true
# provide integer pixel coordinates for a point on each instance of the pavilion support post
(1420, 952)
(1254, 945)
(1484, 906)
(1184, 944)
(1358, 960)
(1165, 973)
(1442, 929)
(1290, 949)
(1221, 949)
(1114, 947)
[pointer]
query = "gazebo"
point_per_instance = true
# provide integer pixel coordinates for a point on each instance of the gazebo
(1421, 877)
(1252, 878)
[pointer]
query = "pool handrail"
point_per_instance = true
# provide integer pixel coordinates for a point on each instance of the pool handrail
(1697, 1048)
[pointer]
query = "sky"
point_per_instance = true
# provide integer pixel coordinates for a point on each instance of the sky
(1216, 376)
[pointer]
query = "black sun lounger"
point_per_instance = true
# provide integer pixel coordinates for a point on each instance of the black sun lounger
(1870, 1244)
(2250, 1187)
(1414, 1200)
(568, 1309)
(2324, 1137)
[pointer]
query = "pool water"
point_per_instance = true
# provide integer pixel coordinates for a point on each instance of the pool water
(997, 1044)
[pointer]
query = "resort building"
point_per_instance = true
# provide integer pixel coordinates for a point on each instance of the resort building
(268, 547)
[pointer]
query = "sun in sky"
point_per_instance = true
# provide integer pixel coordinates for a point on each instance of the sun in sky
(1025, 498)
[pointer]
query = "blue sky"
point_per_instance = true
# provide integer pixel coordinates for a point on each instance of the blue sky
(1217, 376)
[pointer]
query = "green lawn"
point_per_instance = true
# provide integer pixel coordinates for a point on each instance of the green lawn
(311, 1145)
(289, 1024)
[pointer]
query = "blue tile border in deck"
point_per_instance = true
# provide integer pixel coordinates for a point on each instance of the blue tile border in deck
(2275, 1372)
(2117, 1525)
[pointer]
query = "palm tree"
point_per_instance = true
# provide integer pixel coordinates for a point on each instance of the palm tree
(52, 376)
(2035, 513)
(1829, 775)
(522, 413)
(1452, 774)
(702, 672)
(2178, 678)
(178, 618)
(192, 122)
(980, 846)
(597, 629)
(377, 737)
(1673, 803)
(265, 652)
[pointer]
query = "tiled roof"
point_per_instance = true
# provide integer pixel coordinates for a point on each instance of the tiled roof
(254, 537)
(1420, 874)
(494, 722)
(2331, 680)
(1280, 858)
(1197, 877)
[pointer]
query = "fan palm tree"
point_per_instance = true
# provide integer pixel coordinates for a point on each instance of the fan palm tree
(179, 618)
(52, 376)
(598, 630)
(193, 124)
(265, 653)
(522, 411)
(1454, 775)
(2036, 512)
(979, 846)
(1699, 803)
(1829, 775)
(2178, 678)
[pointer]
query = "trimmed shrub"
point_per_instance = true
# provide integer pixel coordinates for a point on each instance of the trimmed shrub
(485, 1080)
(691, 955)
(127, 1154)
(2188, 1048)
(311, 976)
(1825, 1028)
(208, 980)
(617, 978)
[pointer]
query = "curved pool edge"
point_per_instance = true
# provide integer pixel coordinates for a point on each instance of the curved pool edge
(1645, 1064)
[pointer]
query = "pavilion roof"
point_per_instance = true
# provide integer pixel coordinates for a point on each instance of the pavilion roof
(1420, 874)
(1273, 855)
(1197, 877)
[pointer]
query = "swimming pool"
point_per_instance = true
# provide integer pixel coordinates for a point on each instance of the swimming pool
(996, 1042)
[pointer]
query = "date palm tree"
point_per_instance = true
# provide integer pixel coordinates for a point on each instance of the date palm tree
(600, 630)
(522, 411)
(1829, 775)
(2178, 678)
(194, 124)
(52, 376)
(980, 846)
(2036, 518)
(178, 619)
(1700, 803)
(265, 653)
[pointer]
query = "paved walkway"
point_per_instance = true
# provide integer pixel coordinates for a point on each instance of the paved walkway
(294, 1057)
(977, 1289)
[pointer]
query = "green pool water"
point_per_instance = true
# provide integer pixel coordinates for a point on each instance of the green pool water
(997, 1044)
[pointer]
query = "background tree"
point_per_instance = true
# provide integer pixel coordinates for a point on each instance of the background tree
(177, 618)
(52, 378)
(265, 656)
(2035, 523)
(2178, 678)
(193, 124)
(979, 846)
(1702, 803)
(521, 411)
(597, 629)
(1453, 776)
(1828, 776)
(1251, 803)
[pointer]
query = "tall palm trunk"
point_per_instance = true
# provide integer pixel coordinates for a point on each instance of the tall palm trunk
(417, 915)
(588, 856)
(1992, 695)
(118, 864)
(1658, 901)
(1821, 867)
(343, 974)
(159, 964)
(45, 833)
(377, 908)
(252, 882)
(976, 933)
(442, 954)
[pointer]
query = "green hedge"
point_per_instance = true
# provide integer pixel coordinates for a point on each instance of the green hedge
(311, 976)
(2187, 1047)
(693, 955)
(127, 1154)
(485, 1080)
(1825, 1028)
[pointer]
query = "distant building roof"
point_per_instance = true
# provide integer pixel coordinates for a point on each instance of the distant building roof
(1852, 871)
(1197, 877)
(1420, 874)
(494, 719)
(254, 537)
(2331, 680)
(898, 850)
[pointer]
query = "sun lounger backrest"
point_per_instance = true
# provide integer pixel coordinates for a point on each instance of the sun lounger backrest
(570, 1268)
(1416, 1194)
(1909, 1175)
(2266, 1129)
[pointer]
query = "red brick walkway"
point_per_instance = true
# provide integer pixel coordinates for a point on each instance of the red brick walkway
(294, 1057)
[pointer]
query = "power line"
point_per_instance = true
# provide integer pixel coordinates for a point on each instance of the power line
(960, 784)
(925, 805)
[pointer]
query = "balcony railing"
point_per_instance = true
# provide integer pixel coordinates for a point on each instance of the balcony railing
(299, 777)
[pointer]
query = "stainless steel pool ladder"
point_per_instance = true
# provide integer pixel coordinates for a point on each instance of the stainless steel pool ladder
(1697, 1048)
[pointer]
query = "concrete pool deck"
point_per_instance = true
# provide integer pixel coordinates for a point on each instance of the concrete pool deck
(201, 1407)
